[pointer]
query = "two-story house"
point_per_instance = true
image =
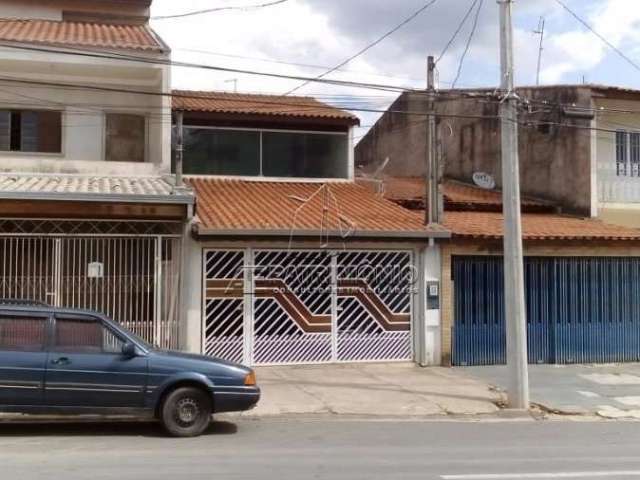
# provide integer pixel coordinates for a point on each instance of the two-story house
(89, 216)
(290, 260)
(581, 210)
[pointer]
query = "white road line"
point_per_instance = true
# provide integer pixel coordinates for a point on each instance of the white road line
(533, 476)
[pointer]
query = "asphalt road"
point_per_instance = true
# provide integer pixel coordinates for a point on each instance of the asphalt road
(324, 448)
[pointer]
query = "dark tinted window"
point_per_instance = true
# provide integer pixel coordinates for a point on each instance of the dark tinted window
(126, 137)
(304, 155)
(221, 152)
(85, 336)
(22, 333)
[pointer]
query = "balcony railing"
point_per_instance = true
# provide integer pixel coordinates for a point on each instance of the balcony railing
(614, 188)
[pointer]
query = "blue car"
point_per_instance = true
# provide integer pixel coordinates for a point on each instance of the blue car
(61, 361)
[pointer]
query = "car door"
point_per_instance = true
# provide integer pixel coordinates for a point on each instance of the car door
(87, 369)
(23, 338)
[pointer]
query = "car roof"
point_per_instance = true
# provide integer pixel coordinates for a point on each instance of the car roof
(43, 308)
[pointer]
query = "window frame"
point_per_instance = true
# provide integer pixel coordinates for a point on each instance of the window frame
(86, 318)
(63, 132)
(45, 316)
(147, 142)
(627, 145)
(261, 175)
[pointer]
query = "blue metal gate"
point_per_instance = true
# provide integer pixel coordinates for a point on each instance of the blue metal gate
(579, 310)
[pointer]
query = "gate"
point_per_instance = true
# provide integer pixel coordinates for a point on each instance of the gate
(132, 279)
(309, 306)
(579, 310)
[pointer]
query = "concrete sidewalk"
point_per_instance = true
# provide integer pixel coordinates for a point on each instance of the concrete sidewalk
(392, 389)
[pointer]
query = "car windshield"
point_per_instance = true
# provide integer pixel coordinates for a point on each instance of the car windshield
(139, 340)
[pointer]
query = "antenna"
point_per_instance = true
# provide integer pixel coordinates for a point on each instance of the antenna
(235, 84)
(540, 31)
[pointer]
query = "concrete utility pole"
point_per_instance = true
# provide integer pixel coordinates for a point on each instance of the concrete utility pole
(431, 194)
(515, 312)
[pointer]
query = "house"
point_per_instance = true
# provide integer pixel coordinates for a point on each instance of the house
(580, 217)
(90, 216)
(290, 260)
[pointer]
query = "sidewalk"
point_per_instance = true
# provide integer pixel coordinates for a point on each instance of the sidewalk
(391, 389)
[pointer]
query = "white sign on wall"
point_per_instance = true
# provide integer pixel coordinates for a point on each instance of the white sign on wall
(484, 180)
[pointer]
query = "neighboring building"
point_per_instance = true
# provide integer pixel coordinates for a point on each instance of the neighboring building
(291, 261)
(580, 187)
(89, 216)
(579, 144)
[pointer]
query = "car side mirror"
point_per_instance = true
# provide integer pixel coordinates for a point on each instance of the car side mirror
(129, 350)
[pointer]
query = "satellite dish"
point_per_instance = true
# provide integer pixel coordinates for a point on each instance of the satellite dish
(484, 180)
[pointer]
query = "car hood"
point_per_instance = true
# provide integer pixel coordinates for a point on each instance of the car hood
(198, 363)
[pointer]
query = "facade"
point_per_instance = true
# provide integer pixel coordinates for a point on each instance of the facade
(581, 247)
(90, 217)
(291, 261)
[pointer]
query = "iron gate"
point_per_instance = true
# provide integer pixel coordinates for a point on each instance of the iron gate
(579, 310)
(308, 306)
(132, 279)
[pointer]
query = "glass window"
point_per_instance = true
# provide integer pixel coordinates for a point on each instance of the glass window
(37, 131)
(85, 336)
(634, 157)
(621, 153)
(221, 152)
(22, 333)
(126, 137)
(305, 155)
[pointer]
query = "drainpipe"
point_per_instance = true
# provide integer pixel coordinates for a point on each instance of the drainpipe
(179, 148)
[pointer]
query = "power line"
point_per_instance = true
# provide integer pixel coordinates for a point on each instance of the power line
(218, 9)
(597, 34)
(468, 45)
(458, 30)
(368, 47)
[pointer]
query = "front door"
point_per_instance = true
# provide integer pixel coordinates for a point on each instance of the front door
(86, 367)
(23, 339)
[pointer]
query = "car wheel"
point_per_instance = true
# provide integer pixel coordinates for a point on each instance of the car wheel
(186, 412)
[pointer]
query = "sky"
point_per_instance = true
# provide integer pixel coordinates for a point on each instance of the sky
(315, 35)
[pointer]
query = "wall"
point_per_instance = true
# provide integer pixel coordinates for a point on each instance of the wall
(52, 9)
(618, 196)
(566, 249)
(84, 110)
(555, 163)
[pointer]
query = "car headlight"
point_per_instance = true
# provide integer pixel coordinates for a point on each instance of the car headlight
(250, 379)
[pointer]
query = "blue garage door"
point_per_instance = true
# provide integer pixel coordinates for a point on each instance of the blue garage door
(579, 310)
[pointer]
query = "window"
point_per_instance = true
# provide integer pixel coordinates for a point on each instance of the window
(217, 151)
(222, 152)
(22, 334)
(85, 336)
(627, 154)
(37, 131)
(126, 137)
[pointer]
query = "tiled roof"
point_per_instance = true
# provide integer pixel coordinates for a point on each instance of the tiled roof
(236, 207)
(78, 34)
(254, 104)
(457, 195)
(88, 188)
(489, 225)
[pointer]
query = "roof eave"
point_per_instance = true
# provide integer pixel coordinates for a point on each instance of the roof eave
(253, 232)
(99, 197)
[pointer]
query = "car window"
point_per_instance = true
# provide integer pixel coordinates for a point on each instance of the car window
(22, 334)
(85, 335)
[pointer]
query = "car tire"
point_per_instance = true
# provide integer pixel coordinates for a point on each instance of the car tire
(186, 412)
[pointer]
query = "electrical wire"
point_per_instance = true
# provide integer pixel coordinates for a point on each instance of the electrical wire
(468, 45)
(600, 36)
(218, 9)
(457, 31)
(367, 48)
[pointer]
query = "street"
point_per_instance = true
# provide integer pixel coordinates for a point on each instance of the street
(326, 447)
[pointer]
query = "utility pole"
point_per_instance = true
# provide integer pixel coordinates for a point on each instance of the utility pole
(515, 312)
(431, 194)
(540, 31)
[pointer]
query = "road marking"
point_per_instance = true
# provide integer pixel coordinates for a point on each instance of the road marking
(612, 378)
(533, 476)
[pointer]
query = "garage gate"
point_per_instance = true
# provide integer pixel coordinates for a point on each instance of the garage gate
(579, 310)
(268, 307)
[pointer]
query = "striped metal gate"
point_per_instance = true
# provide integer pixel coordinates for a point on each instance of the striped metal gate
(268, 307)
(579, 310)
(136, 281)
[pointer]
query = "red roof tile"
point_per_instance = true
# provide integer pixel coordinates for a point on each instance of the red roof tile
(79, 34)
(489, 225)
(254, 104)
(226, 206)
